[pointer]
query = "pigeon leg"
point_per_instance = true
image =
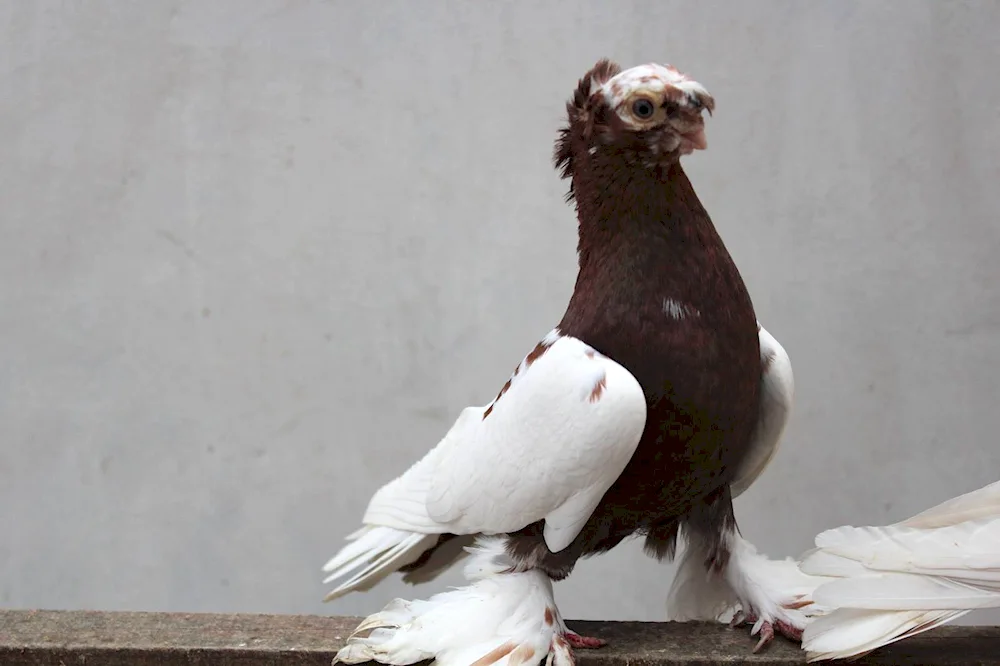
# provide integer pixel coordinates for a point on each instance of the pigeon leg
(573, 638)
(773, 594)
(515, 621)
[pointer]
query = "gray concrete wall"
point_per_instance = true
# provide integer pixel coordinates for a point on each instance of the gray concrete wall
(257, 255)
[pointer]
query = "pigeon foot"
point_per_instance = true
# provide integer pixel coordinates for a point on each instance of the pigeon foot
(767, 629)
(502, 618)
(774, 596)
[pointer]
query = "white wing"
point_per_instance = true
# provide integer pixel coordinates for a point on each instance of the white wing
(777, 389)
(547, 448)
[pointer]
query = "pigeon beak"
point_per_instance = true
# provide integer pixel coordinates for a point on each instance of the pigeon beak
(696, 139)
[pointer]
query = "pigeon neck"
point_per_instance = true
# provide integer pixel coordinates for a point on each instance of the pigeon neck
(644, 211)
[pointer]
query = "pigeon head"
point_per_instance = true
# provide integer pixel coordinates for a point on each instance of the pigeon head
(649, 115)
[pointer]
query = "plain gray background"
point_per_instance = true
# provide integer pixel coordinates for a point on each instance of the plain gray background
(257, 256)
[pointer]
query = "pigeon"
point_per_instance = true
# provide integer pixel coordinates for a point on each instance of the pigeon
(655, 400)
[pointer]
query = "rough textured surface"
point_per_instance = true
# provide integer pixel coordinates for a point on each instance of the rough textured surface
(33, 638)
(256, 255)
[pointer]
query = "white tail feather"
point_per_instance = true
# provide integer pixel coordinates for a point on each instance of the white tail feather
(897, 581)
(850, 632)
(373, 553)
(860, 588)
(967, 551)
(982, 503)
(396, 530)
(904, 592)
(819, 562)
(444, 556)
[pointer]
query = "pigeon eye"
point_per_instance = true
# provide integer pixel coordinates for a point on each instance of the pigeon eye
(643, 109)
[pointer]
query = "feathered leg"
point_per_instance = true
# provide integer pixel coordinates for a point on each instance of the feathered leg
(503, 617)
(528, 547)
(722, 572)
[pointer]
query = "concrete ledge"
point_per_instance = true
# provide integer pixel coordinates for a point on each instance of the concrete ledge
(167, 639)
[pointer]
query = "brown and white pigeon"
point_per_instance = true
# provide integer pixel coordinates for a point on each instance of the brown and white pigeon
(655, 400)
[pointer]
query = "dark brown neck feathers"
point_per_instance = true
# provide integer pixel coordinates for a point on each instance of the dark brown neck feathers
(617, 204)
(659, 293)
(645, 240)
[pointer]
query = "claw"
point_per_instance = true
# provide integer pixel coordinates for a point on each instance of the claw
(766, 636)
(767, 631)
(370, 622)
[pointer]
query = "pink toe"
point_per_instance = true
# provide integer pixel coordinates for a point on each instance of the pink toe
(585, 642)
(766, 636)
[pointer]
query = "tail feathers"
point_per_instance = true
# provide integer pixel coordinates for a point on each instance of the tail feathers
(906, 592)
(397, 527)
(893, 582)
(852, 632)
(819, 562)
(439, 558)
(970, 550)
(976, 505)
(373, 553)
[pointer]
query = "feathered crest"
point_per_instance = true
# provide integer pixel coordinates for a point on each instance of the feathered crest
(579, 112)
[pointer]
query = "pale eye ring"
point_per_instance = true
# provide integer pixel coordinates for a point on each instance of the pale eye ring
(643, 109)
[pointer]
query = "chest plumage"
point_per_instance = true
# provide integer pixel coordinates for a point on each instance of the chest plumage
(659, 293)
